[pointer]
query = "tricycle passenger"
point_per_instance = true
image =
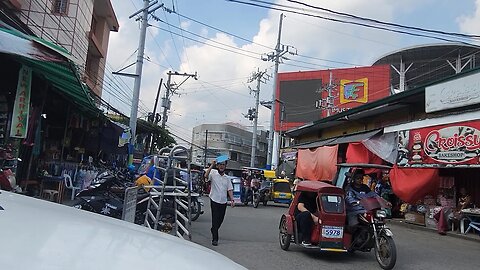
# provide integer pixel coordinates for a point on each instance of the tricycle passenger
(307, 207)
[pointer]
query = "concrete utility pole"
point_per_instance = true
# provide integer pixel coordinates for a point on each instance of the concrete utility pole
(259, 76)
(166, 103)
(276, 56)
(328, 103)
(138, 70)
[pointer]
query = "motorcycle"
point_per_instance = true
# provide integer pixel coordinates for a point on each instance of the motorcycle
(371, 232)
(263, 194)
(105, 196)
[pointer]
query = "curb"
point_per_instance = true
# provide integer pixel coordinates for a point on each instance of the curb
(431, 230)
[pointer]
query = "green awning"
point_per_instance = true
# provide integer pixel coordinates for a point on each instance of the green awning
(64, 80)
(51, 62)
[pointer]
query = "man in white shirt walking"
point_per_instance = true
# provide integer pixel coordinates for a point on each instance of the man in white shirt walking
(220, 186)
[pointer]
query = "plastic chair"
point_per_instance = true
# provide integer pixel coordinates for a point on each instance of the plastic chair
(50, 194)
(69, 185)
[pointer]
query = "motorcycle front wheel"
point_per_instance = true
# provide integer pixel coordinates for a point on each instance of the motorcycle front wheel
(386, 252)
(256, 200)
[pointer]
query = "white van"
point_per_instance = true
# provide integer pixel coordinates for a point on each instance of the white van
(37, 234)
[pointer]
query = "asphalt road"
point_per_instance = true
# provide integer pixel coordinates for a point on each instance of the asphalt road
(249, 236)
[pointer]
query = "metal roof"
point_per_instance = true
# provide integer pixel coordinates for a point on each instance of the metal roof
(357, 137)
(315, 186)
(429, 62)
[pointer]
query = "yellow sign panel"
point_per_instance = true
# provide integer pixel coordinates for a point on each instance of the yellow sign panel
(354, 91)
(269, 174)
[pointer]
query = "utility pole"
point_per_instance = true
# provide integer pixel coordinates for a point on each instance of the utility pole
(138, 70)
(276, 56)
(205, 151)
(256, 76)
(327, 103)
(166, 103)
(154, 112)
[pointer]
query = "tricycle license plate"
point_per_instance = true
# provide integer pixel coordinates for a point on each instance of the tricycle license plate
(332, 232)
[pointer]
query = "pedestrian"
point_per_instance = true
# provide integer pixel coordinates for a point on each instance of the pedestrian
(220, 186)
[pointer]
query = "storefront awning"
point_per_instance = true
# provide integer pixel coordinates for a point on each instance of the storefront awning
(16, 43)
(64, 80)
(357, 137)
(51, 62)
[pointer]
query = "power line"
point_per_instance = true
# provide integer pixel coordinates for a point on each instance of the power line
(223, 31)
(350, 22)
(384, 23)
(208, 44)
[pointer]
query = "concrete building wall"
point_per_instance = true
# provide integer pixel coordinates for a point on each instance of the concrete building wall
(230, 140)
(71, 28)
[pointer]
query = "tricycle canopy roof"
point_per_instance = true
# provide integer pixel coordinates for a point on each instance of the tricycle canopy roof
(364, 165)
(318, 186)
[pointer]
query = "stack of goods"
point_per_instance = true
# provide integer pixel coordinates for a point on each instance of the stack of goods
(433, 209)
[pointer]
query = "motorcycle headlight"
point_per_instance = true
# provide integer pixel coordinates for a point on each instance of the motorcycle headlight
(381, 214)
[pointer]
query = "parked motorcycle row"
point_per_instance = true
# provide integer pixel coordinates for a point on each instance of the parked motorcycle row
(106, 196)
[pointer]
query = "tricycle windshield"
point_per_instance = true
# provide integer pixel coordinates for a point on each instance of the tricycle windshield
(332, 204)
(282, 187)
(373, 203)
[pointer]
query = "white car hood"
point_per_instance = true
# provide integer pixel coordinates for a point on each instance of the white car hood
(37, 234)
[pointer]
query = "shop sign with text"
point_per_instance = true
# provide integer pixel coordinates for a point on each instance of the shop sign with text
(21, 107)
(447, 145)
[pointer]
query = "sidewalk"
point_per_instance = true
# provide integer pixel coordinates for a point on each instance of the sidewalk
(470, 236)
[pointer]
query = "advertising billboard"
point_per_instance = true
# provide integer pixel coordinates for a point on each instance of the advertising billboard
(307, 96)
(441, 146)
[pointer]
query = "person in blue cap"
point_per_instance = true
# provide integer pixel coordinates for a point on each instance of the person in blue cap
(220, 186)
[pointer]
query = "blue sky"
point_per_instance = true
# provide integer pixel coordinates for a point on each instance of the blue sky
(221, 94)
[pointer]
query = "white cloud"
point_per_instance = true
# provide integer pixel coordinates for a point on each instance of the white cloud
(471, 23)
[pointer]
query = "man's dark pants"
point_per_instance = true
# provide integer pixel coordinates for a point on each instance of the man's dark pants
(218, 214)
(305, 224)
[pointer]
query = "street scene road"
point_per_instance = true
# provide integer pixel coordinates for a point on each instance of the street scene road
(249, 236)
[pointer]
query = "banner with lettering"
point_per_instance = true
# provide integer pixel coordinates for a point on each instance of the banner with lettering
(449, 145)
(21, 107)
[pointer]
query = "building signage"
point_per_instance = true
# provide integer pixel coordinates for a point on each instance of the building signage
(356, 90)
(21, 108)
(438, 146)
(460, 92)
(309, 96)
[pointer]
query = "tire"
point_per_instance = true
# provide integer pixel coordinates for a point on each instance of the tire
(256, 200)
(265, 201)
(283, 236)
(386, 252)
(196, 209)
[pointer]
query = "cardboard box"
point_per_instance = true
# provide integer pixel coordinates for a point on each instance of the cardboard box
(415, 218)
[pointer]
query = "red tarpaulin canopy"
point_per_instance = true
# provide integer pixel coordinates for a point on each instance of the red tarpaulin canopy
(317, 164)
(358, 153)
(413, 184)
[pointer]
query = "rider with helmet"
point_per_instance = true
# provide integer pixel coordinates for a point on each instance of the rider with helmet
(356, 191)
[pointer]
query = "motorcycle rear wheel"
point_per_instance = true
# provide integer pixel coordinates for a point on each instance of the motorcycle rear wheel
(283, 235)
(195, 209)
(386, 252)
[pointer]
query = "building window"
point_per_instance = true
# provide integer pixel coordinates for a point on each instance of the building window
(60, 7)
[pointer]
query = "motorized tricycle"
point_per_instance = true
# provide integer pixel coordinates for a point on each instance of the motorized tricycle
(278, 191)
(331, 232)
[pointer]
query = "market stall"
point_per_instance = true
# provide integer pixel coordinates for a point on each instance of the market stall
(452, 153)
